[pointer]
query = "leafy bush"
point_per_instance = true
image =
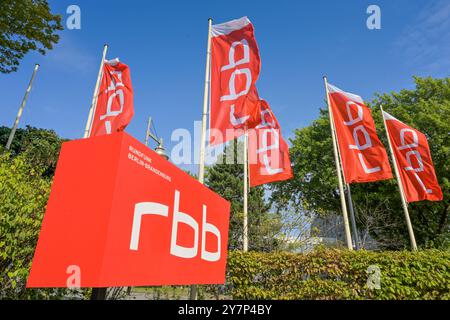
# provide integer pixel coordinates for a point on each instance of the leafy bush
(23, 197)
(336, 274)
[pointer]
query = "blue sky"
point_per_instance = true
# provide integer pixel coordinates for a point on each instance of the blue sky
(164, 43)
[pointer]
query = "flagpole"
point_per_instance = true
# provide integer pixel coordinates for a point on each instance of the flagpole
(201, 167)
(97, 293)
(400, 187)
(348, 235)
(87, 130)
(352, 216)
(22, 106)
(349, 196)
(245, 231)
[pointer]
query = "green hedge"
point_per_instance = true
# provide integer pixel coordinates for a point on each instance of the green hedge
(339, 274)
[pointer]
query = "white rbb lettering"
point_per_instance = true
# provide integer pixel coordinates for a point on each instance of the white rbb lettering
(269, 133)
(411, 153)
(208, 227)
(233, 64)
(232, 85)
(181, 217)
(275, 156)
(264, 122)
(154, 208)
(357, 137)
(141, 209)
(237, 121)
(352, 120)
(416, 154)
(413, 144)
(117, 92)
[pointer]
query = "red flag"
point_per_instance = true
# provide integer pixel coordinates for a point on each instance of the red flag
(235, 67)
(414, 163)
(115, 100)
(268, 152)
(364, 158)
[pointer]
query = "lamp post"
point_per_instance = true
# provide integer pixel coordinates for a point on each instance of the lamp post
(160, 150)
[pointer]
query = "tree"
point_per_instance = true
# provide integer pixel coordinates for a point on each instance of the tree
(378, 204)
(227, 180)
(40, 146)
(25, 25)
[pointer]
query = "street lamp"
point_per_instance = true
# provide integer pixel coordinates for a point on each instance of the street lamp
(160, 150)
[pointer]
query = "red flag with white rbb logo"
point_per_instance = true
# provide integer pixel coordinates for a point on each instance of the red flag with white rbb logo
(115, 108)
(363, 156)
(235, 67)
(268, 152)
(413, 158)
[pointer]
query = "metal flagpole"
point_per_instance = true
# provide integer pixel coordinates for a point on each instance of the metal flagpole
(245, 231)
(22, 106)
(400, 187)
(87, 130)
(147, 138)
(349, 197)
(147, 133)
(97, 293)
(201, 167)
(348, 235)
(352, 217)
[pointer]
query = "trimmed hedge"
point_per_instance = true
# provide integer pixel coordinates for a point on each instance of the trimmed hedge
(339, 274)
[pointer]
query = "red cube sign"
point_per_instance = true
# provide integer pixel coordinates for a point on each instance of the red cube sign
(121, 215)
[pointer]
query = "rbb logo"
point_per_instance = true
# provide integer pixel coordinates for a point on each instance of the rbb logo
(154, 208)
(357, 137)
(115, 86)
(269, 133)
(232, 64)
(413, 153)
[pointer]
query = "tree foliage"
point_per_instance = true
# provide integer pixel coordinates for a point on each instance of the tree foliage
(378, 205)
(25, 25)
(40, 146)
(26, 172)
(228, 181)
(23, 197)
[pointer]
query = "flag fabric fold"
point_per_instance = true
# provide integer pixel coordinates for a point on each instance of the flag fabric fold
(115, 108)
